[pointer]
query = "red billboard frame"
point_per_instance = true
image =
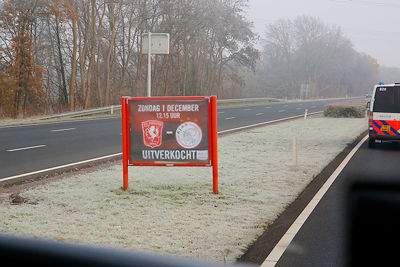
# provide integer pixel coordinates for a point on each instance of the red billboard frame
(212, 132)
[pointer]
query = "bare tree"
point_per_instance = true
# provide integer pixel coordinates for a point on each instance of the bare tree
(305, 51)
(91, 50)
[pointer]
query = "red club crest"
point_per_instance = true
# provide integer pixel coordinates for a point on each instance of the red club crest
(152, 133)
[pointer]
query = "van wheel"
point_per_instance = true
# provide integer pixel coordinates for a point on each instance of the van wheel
(371, 142)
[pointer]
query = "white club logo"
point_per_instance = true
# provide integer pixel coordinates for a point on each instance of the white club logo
(188, 135)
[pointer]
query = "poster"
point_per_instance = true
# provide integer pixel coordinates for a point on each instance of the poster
(169, 131)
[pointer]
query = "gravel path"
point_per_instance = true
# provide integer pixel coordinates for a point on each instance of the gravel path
(173, 210)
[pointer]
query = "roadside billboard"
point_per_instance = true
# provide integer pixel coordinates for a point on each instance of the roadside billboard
(170, 131)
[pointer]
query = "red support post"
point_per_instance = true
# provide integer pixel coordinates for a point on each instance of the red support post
(124, 142)
(214, 138)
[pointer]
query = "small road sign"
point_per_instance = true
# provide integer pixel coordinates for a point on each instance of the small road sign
(159, 43)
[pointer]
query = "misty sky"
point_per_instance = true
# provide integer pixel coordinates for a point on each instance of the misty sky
(372, 25)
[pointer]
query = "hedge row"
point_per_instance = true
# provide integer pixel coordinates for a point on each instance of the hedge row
(337, 111)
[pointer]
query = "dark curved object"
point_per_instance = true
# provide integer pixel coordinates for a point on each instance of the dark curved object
(33, 252)
(374, 224)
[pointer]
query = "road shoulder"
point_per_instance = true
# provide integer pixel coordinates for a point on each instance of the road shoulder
(261, 248)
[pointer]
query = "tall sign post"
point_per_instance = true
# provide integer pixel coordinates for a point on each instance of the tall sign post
(154, 44)
(170, 131)
(214, 140)
(304, 90)
(149, 65)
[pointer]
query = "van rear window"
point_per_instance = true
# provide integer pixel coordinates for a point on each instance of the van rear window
(387, 99)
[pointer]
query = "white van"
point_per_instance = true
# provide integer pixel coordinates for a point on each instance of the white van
(384, 114)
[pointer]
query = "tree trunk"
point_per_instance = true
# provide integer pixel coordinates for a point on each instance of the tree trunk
(109, 53)
(91, 69)
(82, 57)
(72, 85)
(62, 71)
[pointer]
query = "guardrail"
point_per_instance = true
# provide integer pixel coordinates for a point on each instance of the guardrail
(238, 100)
(112, 109)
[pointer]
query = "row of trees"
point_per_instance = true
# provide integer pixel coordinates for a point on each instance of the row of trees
(306, 58)
(64, 55)
(58, 55)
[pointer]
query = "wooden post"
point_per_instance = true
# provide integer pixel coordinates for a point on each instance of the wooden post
(294, 148)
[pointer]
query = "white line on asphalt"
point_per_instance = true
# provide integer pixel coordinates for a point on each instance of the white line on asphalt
(267, 122)
(247, 109)
(299, 108)
(114, 117)
(24, 148)
(220, 112)
(258, 114)
(282, 110)
(119, 154)
(267, 107)
(63, 130)
(57, 168)
(230, 118)
(55, 122)
(287, 238)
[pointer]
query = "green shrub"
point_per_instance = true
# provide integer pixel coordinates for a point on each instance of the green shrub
(344, 111)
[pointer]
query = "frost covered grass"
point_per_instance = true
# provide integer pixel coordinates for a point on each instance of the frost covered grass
(173, 210)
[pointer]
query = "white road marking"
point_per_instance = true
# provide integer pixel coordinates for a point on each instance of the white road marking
(258, 114)
(230, 118)
(57, 168)
(63, 130)
(220, 112)
(24, 148)
(282, 110)
(247, 109)
(267, 107)
(21, 176)
(299, 108)
(266, 123)
(55, 122)
(80, 120)
(287, 238)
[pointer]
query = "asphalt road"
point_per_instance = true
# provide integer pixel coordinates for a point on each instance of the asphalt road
(31, 148)
(324, 238)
